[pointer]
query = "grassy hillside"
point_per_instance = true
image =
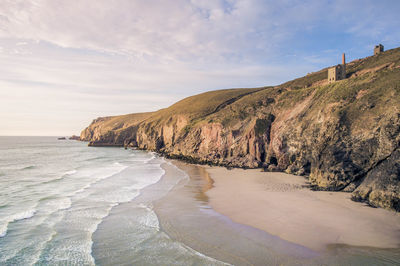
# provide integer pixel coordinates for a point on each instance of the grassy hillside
(202, 105)
(114, 124)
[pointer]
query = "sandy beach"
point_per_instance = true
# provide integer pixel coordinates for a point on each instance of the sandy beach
(186, 216)
(246, 217)
(283, 205)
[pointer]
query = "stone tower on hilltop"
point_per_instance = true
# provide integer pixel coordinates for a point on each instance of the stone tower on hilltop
(337, 72)
(378, 49)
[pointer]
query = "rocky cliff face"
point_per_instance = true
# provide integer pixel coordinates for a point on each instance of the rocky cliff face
(343, 136)
(113, 130)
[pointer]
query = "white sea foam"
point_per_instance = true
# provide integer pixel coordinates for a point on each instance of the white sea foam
(97, 176)
(210, 259)
(153, 156)
(71, 172)
(67, 173)
(150, 219)
(14, 218)
(35, 258)
(3, 229)
(119, 196)
(92, 229)
(78, 248)
(103, 194)
(185, 175)
(58, 204)
(24, 215)
(137, 158)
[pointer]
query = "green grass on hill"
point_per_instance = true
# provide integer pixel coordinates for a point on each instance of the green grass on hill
(120, 122)
(205, 103)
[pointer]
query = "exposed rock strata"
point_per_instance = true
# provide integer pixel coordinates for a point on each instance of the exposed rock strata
(342, 136)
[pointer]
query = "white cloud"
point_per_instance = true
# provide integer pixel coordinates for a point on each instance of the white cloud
(104, 57)
(154, 29)
(196, 31)
(71, 88)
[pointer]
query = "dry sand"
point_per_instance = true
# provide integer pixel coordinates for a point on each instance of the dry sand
(282, 205)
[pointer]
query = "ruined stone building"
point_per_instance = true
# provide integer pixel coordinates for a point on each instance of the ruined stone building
(378, 49)
(337, 72)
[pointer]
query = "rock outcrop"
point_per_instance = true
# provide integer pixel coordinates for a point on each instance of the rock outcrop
(343, 136)
(113, 130)
(74, 137)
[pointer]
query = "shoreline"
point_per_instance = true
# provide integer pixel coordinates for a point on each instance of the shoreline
(284, 206)
(185, 215)
(188, 214)
(207, 163)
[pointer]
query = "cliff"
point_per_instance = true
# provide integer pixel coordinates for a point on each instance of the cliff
(113, 130)
(342, 136)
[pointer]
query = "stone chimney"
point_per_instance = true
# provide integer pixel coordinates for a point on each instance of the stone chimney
(337, 72)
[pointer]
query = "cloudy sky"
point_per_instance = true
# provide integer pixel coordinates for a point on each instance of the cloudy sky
(66, 62)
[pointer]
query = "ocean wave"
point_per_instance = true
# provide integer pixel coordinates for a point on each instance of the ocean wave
(143, 181)
(108, 175)
(95, 158)
(209, 259)
(86, 222)
(141, 159)
(185, 175)
(14, 218)
(83, 189)
(36, 258)
(71, 172)
(150, 219)
(68, 173)
(64, 204)
(3, 230)
(153, 156)
(28, 167)
(118, 164)
(53, 204)
(120, 196)
(52, 180)
(93, 228)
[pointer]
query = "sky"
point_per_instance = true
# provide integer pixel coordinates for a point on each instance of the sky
(65, 62)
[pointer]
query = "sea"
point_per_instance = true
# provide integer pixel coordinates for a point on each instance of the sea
(59, 206)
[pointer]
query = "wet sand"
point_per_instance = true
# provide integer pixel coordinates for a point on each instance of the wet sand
(185, 215)
(283, 205)
(217, 213)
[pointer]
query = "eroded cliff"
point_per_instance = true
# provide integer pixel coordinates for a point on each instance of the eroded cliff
(342, 136)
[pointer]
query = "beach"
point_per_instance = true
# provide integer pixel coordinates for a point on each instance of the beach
(283, 205)
(186, 216)
(249, 217)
